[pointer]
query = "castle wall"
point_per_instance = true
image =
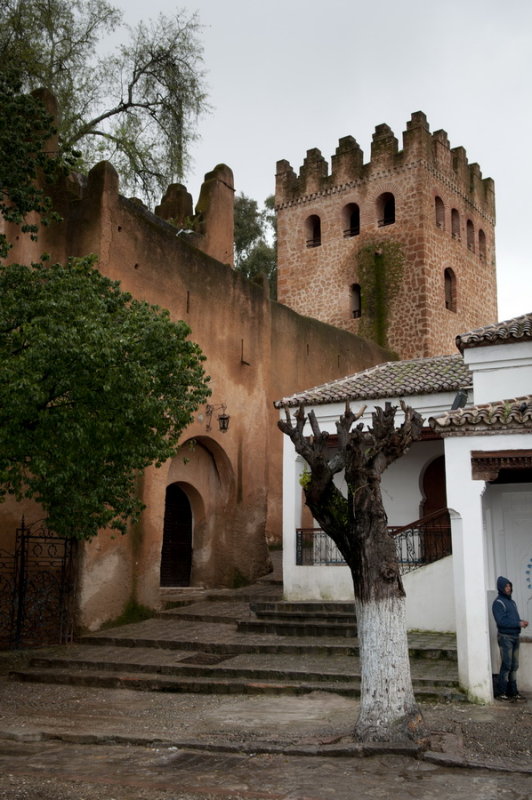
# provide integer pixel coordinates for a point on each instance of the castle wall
(426, 306)
(257, 351)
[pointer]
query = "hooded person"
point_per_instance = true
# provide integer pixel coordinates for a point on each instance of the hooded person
(509, 626)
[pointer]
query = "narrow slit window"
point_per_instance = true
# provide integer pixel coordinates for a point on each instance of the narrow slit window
(313, 231)
(356, 301)
(351, 220)
(386, 209)
(482, 244)
(455, 224)
(439, 210)
(450, 289)
(470, 236)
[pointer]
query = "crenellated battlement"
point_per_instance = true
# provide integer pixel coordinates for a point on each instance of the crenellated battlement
(420, 148)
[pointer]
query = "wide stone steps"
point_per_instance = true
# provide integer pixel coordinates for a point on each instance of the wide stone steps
(286, 627)
(209, 685)
(155, 669)
(314, 608)
(278, 618)
(194, 685)
(234, 646)
(292, 620)
(198, 664)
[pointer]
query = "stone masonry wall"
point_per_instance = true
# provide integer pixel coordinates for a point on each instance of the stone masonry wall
(316, 280)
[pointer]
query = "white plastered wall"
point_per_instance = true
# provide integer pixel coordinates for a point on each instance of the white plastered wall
(473, 565)
(500, 371)
(430, 600)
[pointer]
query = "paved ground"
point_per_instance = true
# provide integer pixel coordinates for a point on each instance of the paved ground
(76, 743)
(60, 772)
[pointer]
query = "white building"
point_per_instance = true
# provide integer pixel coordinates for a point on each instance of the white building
(475, 460)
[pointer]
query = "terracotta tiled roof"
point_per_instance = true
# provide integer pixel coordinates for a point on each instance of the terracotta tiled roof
(510, 331)
(392, 379)
(503, 415)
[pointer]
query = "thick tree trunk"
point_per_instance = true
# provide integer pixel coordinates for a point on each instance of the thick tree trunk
(388, 709)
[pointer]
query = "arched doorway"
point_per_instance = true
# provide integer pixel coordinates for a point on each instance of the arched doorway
(433, 487)
(176, 554)
(437, 536)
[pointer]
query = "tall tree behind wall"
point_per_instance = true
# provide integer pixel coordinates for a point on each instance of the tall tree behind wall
(256, 240)
(137, 107)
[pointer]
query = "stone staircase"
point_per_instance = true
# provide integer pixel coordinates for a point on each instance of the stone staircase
(302, 619)
(243, 641)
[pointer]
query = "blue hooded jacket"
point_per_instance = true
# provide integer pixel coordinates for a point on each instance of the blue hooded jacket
(505, 610)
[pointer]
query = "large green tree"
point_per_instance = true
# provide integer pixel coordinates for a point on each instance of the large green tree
(255, 240)
(94, 387)
(137, 107)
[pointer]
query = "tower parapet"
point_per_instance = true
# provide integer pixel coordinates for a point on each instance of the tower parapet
(348, 161)
(384, 147)
(419, 145)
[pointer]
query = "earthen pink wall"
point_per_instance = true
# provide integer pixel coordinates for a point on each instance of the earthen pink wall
(257, 351)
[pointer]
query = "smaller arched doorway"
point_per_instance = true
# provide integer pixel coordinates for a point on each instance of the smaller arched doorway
(176, 554)
(437, 537)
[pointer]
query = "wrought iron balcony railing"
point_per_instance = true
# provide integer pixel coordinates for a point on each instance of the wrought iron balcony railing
(419, 543)
(424, 541)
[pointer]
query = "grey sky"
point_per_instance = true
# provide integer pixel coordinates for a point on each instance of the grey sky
(288, 75)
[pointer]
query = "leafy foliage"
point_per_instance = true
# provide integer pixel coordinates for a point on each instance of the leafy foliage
(254, 256)
(94, 387)
(25, 132)
(137, 107)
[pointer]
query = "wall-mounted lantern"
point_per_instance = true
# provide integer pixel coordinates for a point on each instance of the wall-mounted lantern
(223, 418)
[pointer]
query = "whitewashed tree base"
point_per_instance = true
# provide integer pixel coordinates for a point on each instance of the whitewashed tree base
(388, 709)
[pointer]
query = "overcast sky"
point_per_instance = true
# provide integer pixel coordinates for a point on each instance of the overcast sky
(288, 75)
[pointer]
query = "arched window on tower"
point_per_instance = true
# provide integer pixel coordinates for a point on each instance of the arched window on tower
(455, 224)
(351, 220)
(450, 289)
(386, 209)
(439, 209)
(313, 231)
(470, 236)
(482, 244)
(356, 301)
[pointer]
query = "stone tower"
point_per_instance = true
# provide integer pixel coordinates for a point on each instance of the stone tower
(400, 250)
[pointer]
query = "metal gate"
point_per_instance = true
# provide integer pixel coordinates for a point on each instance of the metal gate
(7, 593)
(37, 589)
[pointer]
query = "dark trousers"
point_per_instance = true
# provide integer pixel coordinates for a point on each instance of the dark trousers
(509, 649)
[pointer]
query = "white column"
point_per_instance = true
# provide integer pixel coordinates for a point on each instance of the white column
(292, 469)
(464, 498)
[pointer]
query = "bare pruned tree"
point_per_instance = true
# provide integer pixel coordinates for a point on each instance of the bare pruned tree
(358, 526)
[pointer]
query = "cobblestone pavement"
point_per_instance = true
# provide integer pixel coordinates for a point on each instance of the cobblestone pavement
(76, 743)
(57, 771)
(82, 743)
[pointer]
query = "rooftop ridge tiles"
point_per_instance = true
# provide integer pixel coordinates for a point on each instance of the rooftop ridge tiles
(497, 415)
(507, 331)
(390, 379)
